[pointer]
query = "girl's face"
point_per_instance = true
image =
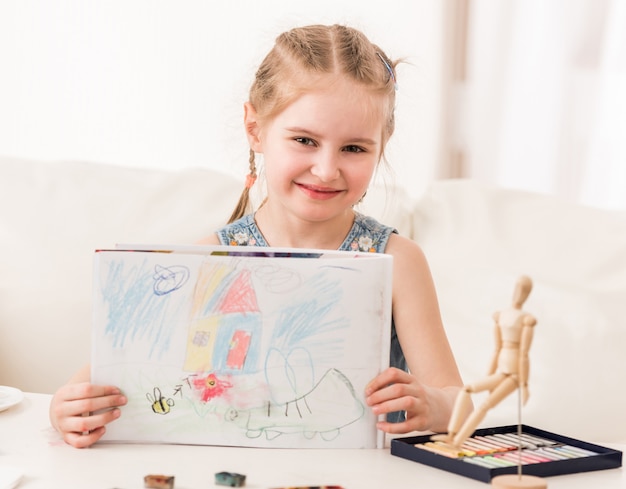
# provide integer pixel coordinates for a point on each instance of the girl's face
(321, 151)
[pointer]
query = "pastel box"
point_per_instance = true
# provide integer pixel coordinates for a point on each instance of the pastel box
(552, 454)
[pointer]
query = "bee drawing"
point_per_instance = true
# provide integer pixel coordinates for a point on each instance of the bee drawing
(160, 405)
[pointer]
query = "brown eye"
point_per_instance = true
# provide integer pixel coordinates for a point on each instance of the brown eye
(305, 141)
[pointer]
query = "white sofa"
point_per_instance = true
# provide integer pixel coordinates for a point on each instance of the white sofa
(478, 240)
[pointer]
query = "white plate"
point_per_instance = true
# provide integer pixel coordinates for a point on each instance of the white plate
(9, 397)
(10, 477)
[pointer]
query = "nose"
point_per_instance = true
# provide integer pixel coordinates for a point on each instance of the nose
(325, 166)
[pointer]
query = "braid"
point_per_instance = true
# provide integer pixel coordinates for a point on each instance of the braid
(244, 199)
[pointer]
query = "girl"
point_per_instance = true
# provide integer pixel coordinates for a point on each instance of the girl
(321, 110)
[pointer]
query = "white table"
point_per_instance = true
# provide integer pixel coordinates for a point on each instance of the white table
(28, 441)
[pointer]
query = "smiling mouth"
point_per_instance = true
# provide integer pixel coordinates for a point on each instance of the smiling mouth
(315, 188)
(318, 193)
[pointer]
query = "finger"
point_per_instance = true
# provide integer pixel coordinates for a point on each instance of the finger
(84, 440)
(94, 404)
(415, 423)
(86, 390)
(87, 424)
(83, 409)
(394, 428)
(396, 403)
(391, 375)
(393, 392)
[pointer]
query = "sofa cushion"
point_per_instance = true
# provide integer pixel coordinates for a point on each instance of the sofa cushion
(478, 240)
(54, 215)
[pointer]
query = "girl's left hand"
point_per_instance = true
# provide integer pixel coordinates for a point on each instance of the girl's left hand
(397, 390)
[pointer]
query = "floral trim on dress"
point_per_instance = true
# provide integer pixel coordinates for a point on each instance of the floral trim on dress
(364, 243)
(241, 239)
(366, 236)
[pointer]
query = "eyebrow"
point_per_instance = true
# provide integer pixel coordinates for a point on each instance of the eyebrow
(308, 132)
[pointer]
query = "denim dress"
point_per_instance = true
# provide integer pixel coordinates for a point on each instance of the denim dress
(366, 235)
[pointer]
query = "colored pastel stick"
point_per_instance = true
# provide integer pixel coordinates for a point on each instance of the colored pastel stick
(551, 454)
(478, 461)
(562, 452)
(553, 451)
(512, 457)
(533, 455)
(582, 451)
(526, 442)
(475, 447)
(524, 456)
(499, 447)
(508, 445)
(515, 440)
(489, 461)
(499, 461)
(538, 440)
(446, 451)
(483, 445)
(461, 452)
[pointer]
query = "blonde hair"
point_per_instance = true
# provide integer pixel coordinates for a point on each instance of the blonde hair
(299, 58)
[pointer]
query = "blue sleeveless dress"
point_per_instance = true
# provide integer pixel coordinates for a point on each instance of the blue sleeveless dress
(366, 234)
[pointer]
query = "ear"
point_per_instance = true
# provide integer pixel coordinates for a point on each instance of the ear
(252, 127)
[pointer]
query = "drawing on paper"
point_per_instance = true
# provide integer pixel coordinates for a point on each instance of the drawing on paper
(330, 406)
(236, 350)
(159, 404)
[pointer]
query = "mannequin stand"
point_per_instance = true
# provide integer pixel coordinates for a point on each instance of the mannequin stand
(516, 481)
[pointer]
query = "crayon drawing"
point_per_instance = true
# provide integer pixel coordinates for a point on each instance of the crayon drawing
(246, 349)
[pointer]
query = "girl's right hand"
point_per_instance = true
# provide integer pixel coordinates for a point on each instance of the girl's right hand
(80, 411)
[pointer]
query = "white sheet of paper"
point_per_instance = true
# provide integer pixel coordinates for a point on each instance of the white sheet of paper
(239, 346)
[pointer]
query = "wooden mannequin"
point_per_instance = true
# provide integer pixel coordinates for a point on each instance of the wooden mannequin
(508, 372)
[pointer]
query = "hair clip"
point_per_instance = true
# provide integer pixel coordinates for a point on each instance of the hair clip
(250, 179)
(389, 69)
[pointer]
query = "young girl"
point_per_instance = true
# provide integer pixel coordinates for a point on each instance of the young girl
(321, 110)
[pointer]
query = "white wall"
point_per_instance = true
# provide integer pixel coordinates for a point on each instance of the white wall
(161, 83)
(546, 98)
